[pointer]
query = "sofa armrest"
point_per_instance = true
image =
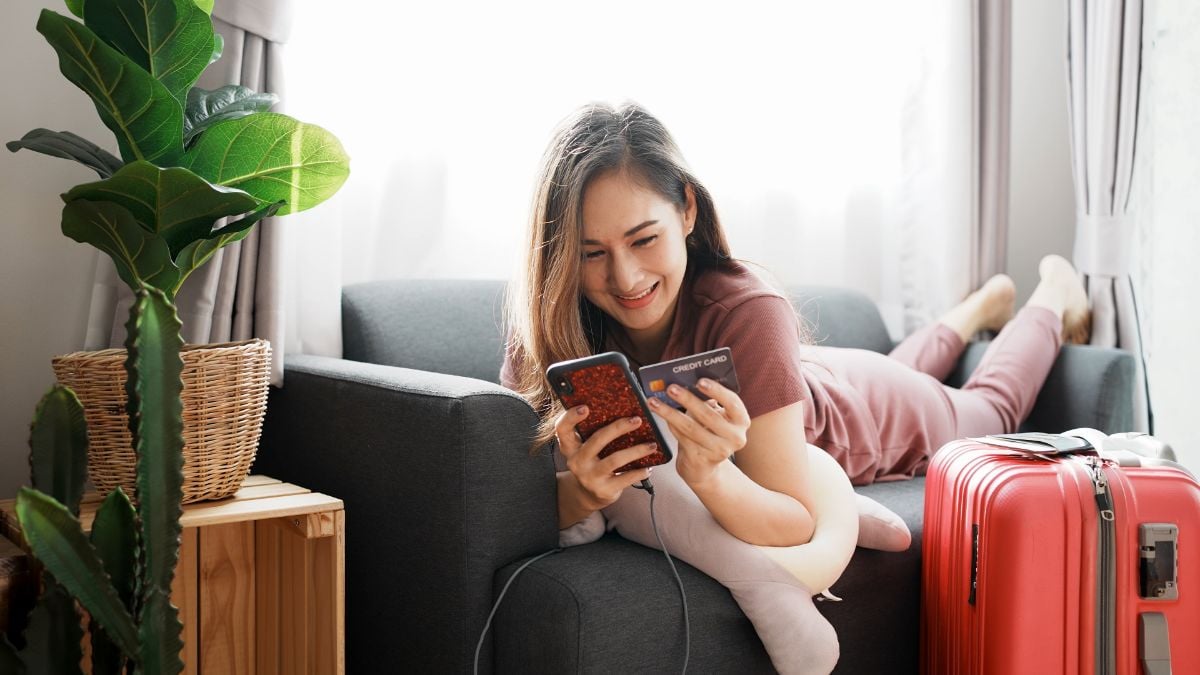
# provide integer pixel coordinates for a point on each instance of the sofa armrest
(1086, 387)
(440, 492)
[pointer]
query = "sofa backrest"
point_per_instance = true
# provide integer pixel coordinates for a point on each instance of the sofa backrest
(455, 326)
(452, 326)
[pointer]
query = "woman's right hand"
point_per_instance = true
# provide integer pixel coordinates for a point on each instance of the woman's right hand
(595, 475)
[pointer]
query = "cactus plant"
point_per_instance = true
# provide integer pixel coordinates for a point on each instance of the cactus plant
(197, 170)
(133, 621)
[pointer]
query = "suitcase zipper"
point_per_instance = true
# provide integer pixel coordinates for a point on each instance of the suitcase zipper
(1106, 578)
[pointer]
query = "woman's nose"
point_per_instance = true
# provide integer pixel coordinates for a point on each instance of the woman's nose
(625, 272)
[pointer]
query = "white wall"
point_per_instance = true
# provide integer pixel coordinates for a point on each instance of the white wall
(1041, 199)
(1165, 195)
(44, 277)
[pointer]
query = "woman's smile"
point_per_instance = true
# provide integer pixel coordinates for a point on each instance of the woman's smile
(639, 300)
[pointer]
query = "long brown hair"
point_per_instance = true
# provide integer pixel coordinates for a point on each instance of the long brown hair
(547, 317)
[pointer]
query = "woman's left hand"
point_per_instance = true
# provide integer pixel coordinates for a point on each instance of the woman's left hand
(709, 433)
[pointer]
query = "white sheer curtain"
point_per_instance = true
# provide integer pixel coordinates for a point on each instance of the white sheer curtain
(835, 138)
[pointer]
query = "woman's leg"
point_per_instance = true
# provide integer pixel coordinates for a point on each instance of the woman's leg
(935, 348)
(1002, 390)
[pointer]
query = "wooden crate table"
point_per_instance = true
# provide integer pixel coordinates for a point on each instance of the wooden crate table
(260, 581)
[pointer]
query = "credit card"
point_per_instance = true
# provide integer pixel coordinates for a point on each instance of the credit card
(686, 371)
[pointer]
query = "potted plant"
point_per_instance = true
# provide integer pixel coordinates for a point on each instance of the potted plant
(188, 158)
(197, 170)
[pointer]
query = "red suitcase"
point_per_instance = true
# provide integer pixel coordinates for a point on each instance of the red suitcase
(1059, 563)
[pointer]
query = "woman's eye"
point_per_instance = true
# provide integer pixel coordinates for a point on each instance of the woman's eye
(592, 255)
(646, 241)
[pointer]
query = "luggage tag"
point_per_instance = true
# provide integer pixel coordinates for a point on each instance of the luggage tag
(1038, 443)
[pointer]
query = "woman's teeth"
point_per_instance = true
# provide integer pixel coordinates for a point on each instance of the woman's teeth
(640, 295)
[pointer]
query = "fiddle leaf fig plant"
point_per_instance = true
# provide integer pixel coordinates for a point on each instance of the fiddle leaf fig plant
(205, 108)
(189, 156)
(197, 170)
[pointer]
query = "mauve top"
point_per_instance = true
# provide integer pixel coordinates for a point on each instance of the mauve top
(875, 415)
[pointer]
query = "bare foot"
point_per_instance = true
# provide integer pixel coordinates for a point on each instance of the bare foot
(997, 301)
(988, 308)
(1061, 290)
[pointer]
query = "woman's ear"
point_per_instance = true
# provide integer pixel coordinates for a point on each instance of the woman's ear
(689, 209)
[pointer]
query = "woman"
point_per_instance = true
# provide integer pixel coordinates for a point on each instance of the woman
(625, 252)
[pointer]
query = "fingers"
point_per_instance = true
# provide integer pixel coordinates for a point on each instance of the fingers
(564, 429)
(632, 477)
(622, 457)
(607, 434)
(727, 398)
(717, 424)
(597, 478)
(699, 415)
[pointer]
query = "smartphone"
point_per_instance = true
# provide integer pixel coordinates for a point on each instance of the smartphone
(605, 384)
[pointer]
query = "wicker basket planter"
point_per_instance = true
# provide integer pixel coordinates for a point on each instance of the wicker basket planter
(224, 400)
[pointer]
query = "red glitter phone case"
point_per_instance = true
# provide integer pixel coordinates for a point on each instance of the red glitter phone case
(606, 386)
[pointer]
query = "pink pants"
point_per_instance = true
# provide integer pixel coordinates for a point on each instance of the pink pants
(882, 420)
(1000, 393)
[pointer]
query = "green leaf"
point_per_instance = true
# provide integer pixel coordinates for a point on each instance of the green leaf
(58, 542)
(52, 640)
(75, 7)
(154, 387)
(170, 39)
(141, 257)
(139, 110)
(68, 146)
(218, 48)
(206, 108)
(205, 5)
(175, 203)
(114, 536)
(273, 157)
(197, 253)
(160, 630)
(58, 442)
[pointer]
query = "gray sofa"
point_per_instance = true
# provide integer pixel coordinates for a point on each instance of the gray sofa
(412, 430)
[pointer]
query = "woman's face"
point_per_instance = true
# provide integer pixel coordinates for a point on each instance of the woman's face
(634, 254)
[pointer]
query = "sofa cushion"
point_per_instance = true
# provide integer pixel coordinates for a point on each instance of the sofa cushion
(456, 326)
(450, 326)
(840, 317)
(1089, 386)
(618, 620)
(878, 619)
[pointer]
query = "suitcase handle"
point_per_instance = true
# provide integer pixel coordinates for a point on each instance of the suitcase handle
(1154, 644)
